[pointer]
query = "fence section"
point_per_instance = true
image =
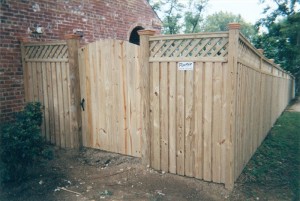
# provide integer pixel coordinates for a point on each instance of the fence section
(110, 88)
(263, 91)
(47, 80)
(208, 121)
(188, 108)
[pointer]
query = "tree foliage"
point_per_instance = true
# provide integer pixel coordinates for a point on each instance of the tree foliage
(193, 17)
(177, 17)
(219, 22)
(281, 41)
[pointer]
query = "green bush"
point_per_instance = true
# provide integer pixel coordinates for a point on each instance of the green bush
(21, 143)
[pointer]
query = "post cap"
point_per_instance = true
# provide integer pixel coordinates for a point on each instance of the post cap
(71, 36)
(146, 32)
(271, 60)
(234, 25)
(260, 51)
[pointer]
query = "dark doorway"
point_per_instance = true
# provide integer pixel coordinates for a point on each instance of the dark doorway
(134, 36)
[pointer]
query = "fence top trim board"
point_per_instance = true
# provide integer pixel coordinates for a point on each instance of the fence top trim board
(190, 36)
(56, 51)
(45, 43)
(259, 54)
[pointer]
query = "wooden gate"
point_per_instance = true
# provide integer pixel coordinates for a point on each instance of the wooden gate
(110, 94)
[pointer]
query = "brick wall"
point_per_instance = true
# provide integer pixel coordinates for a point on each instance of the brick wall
(95, 18)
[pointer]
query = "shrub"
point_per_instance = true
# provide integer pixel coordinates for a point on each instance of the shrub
(21, 143)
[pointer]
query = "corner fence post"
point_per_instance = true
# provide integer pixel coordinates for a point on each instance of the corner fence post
(145, 92)
(24, 40)
(234, 34)
(75, 111)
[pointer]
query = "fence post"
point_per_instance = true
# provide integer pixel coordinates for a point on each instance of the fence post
(234, 34)
(145, 92)
(25, 73)
(75, 110)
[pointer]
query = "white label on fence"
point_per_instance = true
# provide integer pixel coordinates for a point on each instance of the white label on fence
(185, 65)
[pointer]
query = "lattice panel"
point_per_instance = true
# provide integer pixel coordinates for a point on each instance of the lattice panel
(46, 52)
(194, 47)
(248, 55)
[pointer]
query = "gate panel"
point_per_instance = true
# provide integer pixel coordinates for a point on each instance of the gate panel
(110, 86)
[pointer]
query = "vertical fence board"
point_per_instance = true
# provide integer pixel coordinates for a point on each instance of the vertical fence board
(156, 118)
(65, 104)
(198, 128)
(60, 105)
(189, 124)
(224, 118)
(163, 104)
(172, 117)
(180, 123)
(34, 82)
(122, 102)
(41, 95)
(207, 123)
(217, 122)
(55, 103)
(46, 104)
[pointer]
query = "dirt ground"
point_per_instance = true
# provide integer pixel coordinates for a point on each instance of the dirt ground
(92, 174)
(97, 175)
(295, 107)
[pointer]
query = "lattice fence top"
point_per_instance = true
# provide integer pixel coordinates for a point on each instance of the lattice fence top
(55, 52)
(248, 55)
(189, 48)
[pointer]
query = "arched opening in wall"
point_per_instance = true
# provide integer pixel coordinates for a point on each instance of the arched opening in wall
(134, 36)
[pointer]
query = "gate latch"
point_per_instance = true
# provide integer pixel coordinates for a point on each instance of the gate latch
(82, 104)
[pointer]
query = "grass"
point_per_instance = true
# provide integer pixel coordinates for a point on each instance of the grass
(275, 167)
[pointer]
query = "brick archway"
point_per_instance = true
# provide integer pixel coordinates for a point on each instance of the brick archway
(134, 36)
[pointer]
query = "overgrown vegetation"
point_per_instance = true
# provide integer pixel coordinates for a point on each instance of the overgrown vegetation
(21, 143)
(276, 164)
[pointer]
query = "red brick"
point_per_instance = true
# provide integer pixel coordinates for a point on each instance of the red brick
(58, 18)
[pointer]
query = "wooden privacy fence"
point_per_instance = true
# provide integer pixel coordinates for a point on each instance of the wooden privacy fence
(205, 121)
(50, 76)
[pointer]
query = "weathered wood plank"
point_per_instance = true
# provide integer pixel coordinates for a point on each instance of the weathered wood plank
(189, 124)
(62, 133)
(172, 117)
(46, 101)
(50, 99)
(122, 93)
(224, 121)
(66, 114)
(95, 88)
(198, 110)
(35, 85)
(41, 94)
(156, 117)
(217, 122)
(54, 67)
(207, 122)
(180, 138)
(164, 117)
(93, 95)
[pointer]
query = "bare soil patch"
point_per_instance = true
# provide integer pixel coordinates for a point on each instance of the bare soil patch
(92, 174)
